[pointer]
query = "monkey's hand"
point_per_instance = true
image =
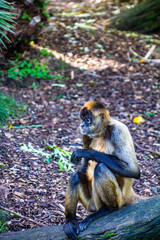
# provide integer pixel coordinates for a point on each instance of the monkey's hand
(70, 229)
(82, 226)
(76, 156)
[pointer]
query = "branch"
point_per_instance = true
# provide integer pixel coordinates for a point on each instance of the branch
(150, 52)
(20, 215)
(134, 53)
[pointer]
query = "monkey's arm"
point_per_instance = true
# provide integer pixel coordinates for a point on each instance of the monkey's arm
(115, 164)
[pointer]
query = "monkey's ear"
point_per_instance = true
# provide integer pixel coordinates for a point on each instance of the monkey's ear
(102, 116)
(84, 112)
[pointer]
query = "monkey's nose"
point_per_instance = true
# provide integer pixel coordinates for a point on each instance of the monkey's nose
(82, 125)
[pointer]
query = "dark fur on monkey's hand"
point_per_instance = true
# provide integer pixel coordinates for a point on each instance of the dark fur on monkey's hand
(70, 229)
(76, 156)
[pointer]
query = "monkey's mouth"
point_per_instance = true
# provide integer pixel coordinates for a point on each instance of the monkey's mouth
(87, 132)
(84, 130)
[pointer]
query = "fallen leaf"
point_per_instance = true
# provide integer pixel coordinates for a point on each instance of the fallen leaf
(138, 119)
(9, 135)
(142, 60)
(21, 195)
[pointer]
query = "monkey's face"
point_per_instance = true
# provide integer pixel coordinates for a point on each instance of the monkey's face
(90, 125)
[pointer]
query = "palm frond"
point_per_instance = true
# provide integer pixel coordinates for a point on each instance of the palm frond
(6, 5)
(5, 17)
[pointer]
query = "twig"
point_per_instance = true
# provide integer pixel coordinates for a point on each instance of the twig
(134, 53)
(62, 208)
(146, 56)
(145, 149)
(20, 215)
(153, 61)
(92, 73)
(128, 55)
(150, 52)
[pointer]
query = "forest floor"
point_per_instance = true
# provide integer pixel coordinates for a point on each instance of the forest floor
(98, 64)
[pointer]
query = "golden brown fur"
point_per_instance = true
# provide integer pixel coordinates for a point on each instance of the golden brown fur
(102, 144)
(95, 184)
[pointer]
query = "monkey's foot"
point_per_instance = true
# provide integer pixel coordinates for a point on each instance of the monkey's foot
(70, 230)
(82, 226)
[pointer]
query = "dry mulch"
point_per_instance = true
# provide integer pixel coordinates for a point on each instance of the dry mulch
(34, 187)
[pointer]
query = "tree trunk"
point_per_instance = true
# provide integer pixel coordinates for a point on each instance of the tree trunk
(137, 221)
(144, 18)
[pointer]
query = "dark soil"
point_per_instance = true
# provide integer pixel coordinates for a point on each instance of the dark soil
(129, 89)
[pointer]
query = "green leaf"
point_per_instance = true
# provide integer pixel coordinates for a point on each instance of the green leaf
(2, 22)
(79, 84)
(5, 18)
(2, 43)
(4, 35)
(2, 165)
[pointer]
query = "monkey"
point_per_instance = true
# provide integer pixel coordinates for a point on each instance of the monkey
(104, 181)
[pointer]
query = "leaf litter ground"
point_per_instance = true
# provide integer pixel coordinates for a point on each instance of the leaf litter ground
(92, 63)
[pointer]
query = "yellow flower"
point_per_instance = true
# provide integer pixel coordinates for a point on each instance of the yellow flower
(138, 119)
(10, 127)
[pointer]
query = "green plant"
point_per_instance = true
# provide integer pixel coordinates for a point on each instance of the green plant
(63, 163)
(42, 4)
(18, 55)
(109, 235)
(149, 114)
(45, 53)
(63, 156)
(5, 18)
(127, 227)
(58, 78)
(26, 16)
(26, 68)
(60, 95)
(34, 85)
(1, 74)
(5, 217)
(3, 227)
(9, 108)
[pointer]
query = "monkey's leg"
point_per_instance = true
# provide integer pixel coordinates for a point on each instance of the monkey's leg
(107, 187)
(107, 190)
(78, 189)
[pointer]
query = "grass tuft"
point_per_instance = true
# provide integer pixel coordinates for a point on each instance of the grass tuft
(9, 108)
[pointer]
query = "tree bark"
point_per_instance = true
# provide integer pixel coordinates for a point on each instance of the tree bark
(137, 221)
(144, 18)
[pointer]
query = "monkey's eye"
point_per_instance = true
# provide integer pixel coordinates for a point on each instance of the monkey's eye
(88, 121)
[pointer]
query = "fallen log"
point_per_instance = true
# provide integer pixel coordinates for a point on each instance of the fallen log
(137, 221)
